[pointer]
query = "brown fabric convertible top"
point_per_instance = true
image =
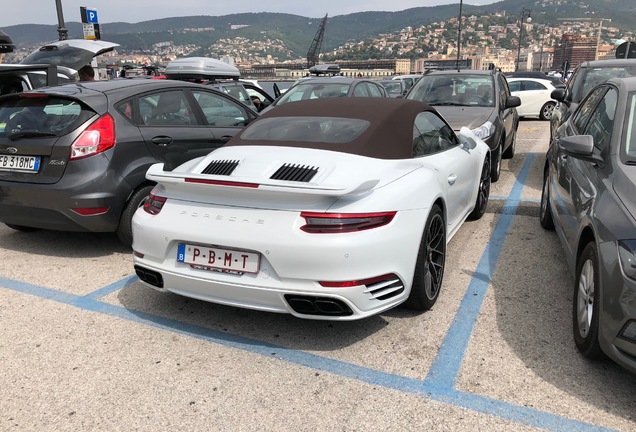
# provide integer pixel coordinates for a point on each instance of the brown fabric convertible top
(389, 135)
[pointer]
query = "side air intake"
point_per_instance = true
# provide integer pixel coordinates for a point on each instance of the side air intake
(221, 167)
(295, 172)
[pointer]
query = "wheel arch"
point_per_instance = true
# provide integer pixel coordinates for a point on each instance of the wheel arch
(587, 235)
(132, 192)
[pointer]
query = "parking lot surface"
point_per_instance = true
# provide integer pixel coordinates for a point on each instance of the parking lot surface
(84, 346)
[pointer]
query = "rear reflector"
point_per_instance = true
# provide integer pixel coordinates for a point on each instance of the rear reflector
(97, 138)
(93, 211)
(333, 223)
(347, 284)
(222, 183)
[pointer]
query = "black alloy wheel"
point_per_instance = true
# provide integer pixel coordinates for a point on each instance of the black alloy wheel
(429, 268)
(484, 191)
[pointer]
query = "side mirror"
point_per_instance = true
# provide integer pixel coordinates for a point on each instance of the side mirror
(558, 95)
(580, 147)
(513, 101)
(467, 138)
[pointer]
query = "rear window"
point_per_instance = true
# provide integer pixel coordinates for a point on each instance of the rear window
(46, 115)
(597, 75)
(329, 130)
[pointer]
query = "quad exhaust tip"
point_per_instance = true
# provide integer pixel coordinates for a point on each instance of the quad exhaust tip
(326, 306)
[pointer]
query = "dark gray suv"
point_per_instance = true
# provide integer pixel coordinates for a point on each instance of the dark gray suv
(74, 157)
(479, 100)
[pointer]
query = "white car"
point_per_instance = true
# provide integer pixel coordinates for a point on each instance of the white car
(325, 209)
(535, 96)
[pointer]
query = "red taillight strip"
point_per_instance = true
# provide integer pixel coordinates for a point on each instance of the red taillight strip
(347, 284)
(333, 223)
(222, 183)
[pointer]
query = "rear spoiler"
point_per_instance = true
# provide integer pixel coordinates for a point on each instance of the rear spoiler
(157, 174)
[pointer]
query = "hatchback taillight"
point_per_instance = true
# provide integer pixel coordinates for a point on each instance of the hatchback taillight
(154, 204)
(332, 223)
(97, 138)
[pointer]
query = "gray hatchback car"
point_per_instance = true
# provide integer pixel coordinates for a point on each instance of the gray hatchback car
(74, 157)
(589, 197)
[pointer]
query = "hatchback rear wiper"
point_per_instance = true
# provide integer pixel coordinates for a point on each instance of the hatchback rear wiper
(28, 134)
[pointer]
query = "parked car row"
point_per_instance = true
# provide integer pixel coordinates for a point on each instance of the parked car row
(589, 184)
(138, 157)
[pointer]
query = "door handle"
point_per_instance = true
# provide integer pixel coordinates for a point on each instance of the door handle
(162, 141)
(451, 179)
(226, 138)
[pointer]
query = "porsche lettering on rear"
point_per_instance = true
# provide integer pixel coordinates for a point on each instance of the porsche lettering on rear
(218, 217)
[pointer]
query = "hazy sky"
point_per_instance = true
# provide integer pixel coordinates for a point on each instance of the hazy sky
(132, 11)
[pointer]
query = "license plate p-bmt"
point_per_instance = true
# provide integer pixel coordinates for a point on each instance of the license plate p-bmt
(218, 258)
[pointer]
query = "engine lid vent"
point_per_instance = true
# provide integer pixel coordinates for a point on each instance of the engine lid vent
(295, 172)
(221, 167)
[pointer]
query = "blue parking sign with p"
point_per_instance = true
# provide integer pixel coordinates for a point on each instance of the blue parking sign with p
(91, 16)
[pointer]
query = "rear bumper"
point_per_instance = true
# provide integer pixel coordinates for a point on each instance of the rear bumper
(49, 206)
(292, 263)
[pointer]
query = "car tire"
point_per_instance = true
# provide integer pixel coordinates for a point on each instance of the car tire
(586, 305)
(495, 165)
(22, 228)
(137, 199)
(546, 111)
(429, 268)
(484, 191)
(510, 151)
(545, 213)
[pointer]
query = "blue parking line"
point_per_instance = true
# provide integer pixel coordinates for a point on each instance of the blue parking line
(449, 359)
(439, 384)
(115, 286)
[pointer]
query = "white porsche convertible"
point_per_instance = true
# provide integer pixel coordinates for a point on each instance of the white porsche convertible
(333, 209)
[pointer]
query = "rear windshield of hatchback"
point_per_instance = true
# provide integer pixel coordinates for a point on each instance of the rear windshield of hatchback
(41, 114)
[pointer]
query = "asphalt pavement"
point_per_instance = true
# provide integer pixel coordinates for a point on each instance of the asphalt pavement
(85, 347)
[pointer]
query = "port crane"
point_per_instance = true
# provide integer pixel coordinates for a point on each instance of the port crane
(316, 44)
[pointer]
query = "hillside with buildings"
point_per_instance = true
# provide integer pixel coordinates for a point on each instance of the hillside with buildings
(512, 34)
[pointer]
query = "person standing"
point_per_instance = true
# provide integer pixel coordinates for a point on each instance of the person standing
(86, 73)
